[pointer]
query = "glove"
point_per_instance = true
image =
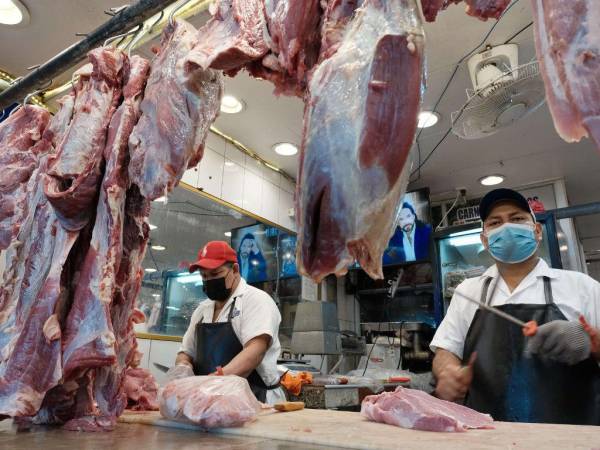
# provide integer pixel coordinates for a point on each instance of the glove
(562, 341)
(179, 371)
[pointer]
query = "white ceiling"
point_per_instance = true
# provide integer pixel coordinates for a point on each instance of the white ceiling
(528, 152)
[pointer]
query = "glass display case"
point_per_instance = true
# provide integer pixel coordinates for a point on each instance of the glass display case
(460, 255)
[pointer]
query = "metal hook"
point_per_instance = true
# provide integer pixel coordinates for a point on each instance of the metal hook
(114, 38)
(36, 92)
(141, 32)
(160, 16)
(174, 10)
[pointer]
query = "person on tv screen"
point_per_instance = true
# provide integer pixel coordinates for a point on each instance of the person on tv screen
(253, 266)
(410, 242)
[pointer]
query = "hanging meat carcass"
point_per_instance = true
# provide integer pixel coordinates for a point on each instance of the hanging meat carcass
(482, 9)
(170, 134)
(568, 48)
(359, 126)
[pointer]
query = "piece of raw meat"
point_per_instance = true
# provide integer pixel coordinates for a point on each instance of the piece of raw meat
(170, 134)
(141, 389)
(210, 401)
(294, 30)
(359, 126)
(482, 9)
(410, 408)
(335, 20)
(568, 48)
(234, 36)
(18, 136)
(92, 343)
(76, 170)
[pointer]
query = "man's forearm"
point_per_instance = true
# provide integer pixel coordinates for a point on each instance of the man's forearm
(248, 359)
(443, 359)
(183, 358)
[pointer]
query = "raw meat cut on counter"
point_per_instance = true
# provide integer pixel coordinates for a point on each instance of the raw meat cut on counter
(410, 408)
(141, 389)
(568, 48)
(18, 135)
(171, 131)
(235, 35)
(76, 170)
(210, 401)
(482, 9)
(359, 126)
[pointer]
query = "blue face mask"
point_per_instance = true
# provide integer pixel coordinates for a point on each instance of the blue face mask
(512, 243)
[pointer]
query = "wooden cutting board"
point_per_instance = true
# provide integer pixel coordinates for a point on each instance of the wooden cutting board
(350, 430)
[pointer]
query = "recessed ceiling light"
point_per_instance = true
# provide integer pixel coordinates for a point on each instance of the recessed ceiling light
(162, 199)
(13, 12)
(428, 119)
(228, 233)
(152, 227)
(231, 105)
(285, 149)
(150, 270)
(159, 248)
(491, 180)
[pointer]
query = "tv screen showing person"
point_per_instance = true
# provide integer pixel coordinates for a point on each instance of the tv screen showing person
(253, 266)
(412, 237)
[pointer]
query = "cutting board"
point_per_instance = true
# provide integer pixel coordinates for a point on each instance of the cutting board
(350, 430)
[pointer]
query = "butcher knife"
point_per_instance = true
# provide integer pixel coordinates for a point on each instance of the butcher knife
(162, 368)
(529, 328)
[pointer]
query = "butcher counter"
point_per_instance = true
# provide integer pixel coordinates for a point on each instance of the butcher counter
(306, 429)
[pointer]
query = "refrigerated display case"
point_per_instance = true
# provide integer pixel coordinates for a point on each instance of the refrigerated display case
(459, 254)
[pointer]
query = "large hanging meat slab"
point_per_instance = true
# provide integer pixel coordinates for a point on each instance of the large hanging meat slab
(359, 126)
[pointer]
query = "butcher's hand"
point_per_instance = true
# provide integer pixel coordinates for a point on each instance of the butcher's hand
(562, 341)
(179, 371)
(454, 381)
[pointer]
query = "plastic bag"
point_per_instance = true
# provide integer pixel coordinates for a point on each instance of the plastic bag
(210, 401)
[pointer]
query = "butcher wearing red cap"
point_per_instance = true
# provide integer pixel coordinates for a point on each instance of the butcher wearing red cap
(235, 332)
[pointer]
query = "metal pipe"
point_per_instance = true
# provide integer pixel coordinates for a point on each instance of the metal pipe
(122, 21)
(576, 211)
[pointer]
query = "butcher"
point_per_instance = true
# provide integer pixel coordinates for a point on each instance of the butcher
(235, 332)
(487, 362)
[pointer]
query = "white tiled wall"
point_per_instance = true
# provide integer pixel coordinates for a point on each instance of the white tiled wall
(233, 176)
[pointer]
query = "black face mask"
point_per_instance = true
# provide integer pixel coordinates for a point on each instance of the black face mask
(215, 289)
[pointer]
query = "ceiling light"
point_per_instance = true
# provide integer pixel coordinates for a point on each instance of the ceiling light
(162, 199)
(491, 180)
(229, 163)
(152, 227)
(428, 119)
(466, 240)
(231, 105)
(563, 248)
(150, 270)
(12, 12)
(156, 295)
(159, 248)
(285, 149)
(228, 233)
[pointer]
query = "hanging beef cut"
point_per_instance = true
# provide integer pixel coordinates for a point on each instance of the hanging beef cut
(177, 111)
(359, 126)
(482, 9)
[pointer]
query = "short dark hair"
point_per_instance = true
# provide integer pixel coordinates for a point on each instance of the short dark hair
(408, 206)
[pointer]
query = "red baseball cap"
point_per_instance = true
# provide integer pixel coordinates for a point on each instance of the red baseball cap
(213, 255)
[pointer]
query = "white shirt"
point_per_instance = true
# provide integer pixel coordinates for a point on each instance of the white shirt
(574, 293)
(409, 245)
(255, 314)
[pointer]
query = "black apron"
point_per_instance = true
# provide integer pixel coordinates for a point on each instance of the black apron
(216, 345)
(514, 387)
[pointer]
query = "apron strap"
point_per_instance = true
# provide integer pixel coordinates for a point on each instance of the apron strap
(548, 291)
(484, 290)
(231, 309)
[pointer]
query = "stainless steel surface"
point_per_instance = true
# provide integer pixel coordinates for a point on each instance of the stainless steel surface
(131, 437)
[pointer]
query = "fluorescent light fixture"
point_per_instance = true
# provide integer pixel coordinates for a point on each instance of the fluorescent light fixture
(463, 233)
(231, 105)
(428, 119)
(227, 233)
(191, 278)
(152, 227)
(162, 199)
(150, 270)
(285, 149)
(173, 308)
(156, 295)
(463, 241)
(13, 12)
(491, 180)
(159, 248)
(229, 164)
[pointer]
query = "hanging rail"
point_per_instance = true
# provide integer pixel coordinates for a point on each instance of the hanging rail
(123, 21)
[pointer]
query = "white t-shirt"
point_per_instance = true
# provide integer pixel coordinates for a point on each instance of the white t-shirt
(409, 245)
(574, 293)
(255, 314)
